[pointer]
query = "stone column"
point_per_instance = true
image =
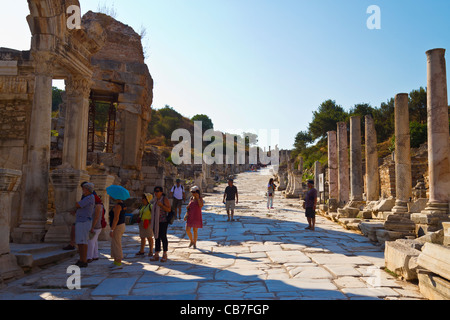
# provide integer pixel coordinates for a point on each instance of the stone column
(67, 189)
(36, 169)
(438, 134)
(9, 183)
(403, 179)
(343, 164)
(77, 119)
(356, 178)
(372, 178)
(332, 165)
(317, 172)
(67, 179)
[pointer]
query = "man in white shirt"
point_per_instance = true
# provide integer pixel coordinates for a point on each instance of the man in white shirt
(178, 195)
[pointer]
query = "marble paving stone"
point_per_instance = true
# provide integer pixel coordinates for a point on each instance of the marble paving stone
(115, 287)
(299, 285)
(165, 289)
(310, 273)
(342, 270)
(288, 257)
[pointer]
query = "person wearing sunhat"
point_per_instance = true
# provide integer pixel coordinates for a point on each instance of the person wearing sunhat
(145, 230)
(83, 224)
(194, 218)
(310, 205)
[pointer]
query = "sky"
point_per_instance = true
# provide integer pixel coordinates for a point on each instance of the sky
(267, 65)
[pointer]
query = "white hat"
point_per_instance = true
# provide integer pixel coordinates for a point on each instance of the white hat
(194, 188)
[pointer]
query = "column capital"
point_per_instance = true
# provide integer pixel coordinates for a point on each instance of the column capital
(77, 86)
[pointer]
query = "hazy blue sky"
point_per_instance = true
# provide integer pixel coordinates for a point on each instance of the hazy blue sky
(266, 64)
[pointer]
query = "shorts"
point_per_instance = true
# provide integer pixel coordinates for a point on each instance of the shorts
(230, 204)
(176, 203)
(310, 213)
(82, 232)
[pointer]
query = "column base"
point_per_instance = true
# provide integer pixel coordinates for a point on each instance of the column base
(8, 267)
(29, 232)
(431, 219)
(436, 208)
(400, 207)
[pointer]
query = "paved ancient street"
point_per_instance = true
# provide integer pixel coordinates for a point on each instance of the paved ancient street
(262, 255)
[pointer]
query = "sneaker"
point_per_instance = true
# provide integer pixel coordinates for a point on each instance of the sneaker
(116, 267)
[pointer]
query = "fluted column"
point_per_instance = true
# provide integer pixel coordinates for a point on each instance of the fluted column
(9, 183)
(403, 179)
(36, 170)
(77, 121)
(343, 164)
(372, 179)
(356, 178)
(438, 133)
(332, 165)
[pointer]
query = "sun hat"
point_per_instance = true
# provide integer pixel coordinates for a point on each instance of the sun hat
(89, 186)
(148, 196)
(194, 188)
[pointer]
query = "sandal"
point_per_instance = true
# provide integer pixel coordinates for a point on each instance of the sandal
(164, 259)
(154, 258)
(139, 254)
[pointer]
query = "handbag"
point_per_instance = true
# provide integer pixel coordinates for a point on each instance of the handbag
(171, 217)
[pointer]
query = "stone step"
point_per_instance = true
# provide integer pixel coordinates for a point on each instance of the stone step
(41, 254)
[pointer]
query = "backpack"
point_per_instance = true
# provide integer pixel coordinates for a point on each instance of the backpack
(104, 224)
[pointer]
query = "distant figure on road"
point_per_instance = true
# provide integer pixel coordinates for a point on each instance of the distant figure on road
(270, 193)
(178, 195)
(231, 198)
(310, 205)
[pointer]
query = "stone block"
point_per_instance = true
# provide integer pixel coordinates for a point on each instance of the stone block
(369, 228)
(365, 214)
(432, 286)
(401, 223)
(384, 235)
(418, 206)
(446, 226)
(384, 205)
(401, 259)
(435, 258)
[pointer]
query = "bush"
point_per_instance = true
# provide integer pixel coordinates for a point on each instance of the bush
(419, 133)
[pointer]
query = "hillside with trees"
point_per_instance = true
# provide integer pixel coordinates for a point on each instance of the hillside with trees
(311, 144)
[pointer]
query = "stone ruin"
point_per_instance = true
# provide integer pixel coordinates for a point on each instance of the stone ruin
(411, 222)
(377, 198)
(101, 128)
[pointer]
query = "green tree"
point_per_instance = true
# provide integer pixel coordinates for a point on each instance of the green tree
(56, 98)
(302, 140)
(384, 119)
(418, 132)
(206, 121)
(325, 119)
(418, 105)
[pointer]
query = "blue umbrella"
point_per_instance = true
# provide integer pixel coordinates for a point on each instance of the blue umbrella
(118, 192)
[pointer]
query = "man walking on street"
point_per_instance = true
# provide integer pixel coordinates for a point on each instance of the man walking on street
(310, 205)
(178, 195)
(230, 198)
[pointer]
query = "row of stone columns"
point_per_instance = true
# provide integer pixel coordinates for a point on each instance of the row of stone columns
(346, 183)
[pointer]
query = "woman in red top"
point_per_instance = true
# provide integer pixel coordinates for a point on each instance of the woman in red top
(193, 216)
